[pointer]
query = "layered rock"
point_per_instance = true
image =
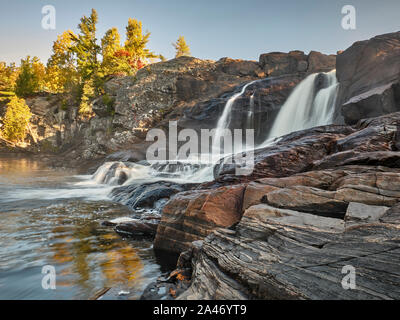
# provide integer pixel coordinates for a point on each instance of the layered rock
(192, 215)
(328, 199)
(369, 75)
(279, 63)
(283, 254)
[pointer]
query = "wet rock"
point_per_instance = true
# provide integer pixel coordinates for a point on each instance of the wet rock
(293, 154)
(137, 228)
(148, 195)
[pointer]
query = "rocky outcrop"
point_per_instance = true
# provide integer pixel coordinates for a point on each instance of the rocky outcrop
(369, 75)
(192, 215)
(283, 254)
(279, 63)
(321, 201)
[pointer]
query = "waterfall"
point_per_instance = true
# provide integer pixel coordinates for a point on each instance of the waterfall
(224, 121)
(311, 104)
(308, 106)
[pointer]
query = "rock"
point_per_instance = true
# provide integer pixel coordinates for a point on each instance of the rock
(279, 63)
(293, 154)
(307, 199)
(366, 72)
(148, 195)
(268, 96)
(191, 216)
(280, 258)
(318, 62)
(360, 213)
(375, 102)
(137, 228)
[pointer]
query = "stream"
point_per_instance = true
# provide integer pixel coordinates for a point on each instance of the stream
(52, 217)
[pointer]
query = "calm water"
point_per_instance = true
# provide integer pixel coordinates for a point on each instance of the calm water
(53, 217)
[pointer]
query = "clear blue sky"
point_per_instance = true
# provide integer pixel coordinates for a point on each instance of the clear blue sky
(213, 28)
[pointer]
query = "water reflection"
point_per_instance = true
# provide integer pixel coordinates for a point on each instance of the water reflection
(68, 235)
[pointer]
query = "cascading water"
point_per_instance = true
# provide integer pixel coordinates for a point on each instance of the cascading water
(224, 121)
(311, 104)
(307, 106)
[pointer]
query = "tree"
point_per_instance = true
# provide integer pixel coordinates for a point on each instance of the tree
(16, 119)
(61, 72)
(85, 46)
(88, 93)
(136, 42)
(162, 58)
(31, 77)
(182, 49)
(8, 77)
(110, 46)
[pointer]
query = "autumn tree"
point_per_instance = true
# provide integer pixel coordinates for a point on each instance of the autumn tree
(136, 44)
(115, 59)
(16, 119)
(31, 77)
(8, 77)
(182, 49)
(61, 73)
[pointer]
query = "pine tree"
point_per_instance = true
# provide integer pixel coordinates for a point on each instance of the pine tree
(136, 43)
(61, 72)
(182, 49)
(110, 45)
(16, 119)
(31, 77)
(85, 46)
(8, 77)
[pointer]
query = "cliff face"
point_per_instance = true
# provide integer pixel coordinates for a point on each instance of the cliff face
(369, 76)
(189, 90)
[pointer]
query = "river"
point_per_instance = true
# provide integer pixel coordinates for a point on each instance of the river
(52, 217)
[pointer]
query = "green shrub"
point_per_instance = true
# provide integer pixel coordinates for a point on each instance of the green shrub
(16, 119)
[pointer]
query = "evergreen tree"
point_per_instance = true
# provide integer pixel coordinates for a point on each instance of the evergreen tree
(85, 46)
(136, 43)
(182, 49)
(31, 77)
(61, 72)
(8, 77)
(16, 119)
(110, 46)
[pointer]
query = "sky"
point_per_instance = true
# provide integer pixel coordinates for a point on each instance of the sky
(240, 29)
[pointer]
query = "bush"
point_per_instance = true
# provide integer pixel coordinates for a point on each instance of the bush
(16, 119)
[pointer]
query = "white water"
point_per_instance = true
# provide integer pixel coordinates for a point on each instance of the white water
(306, 108)
(224, 121)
